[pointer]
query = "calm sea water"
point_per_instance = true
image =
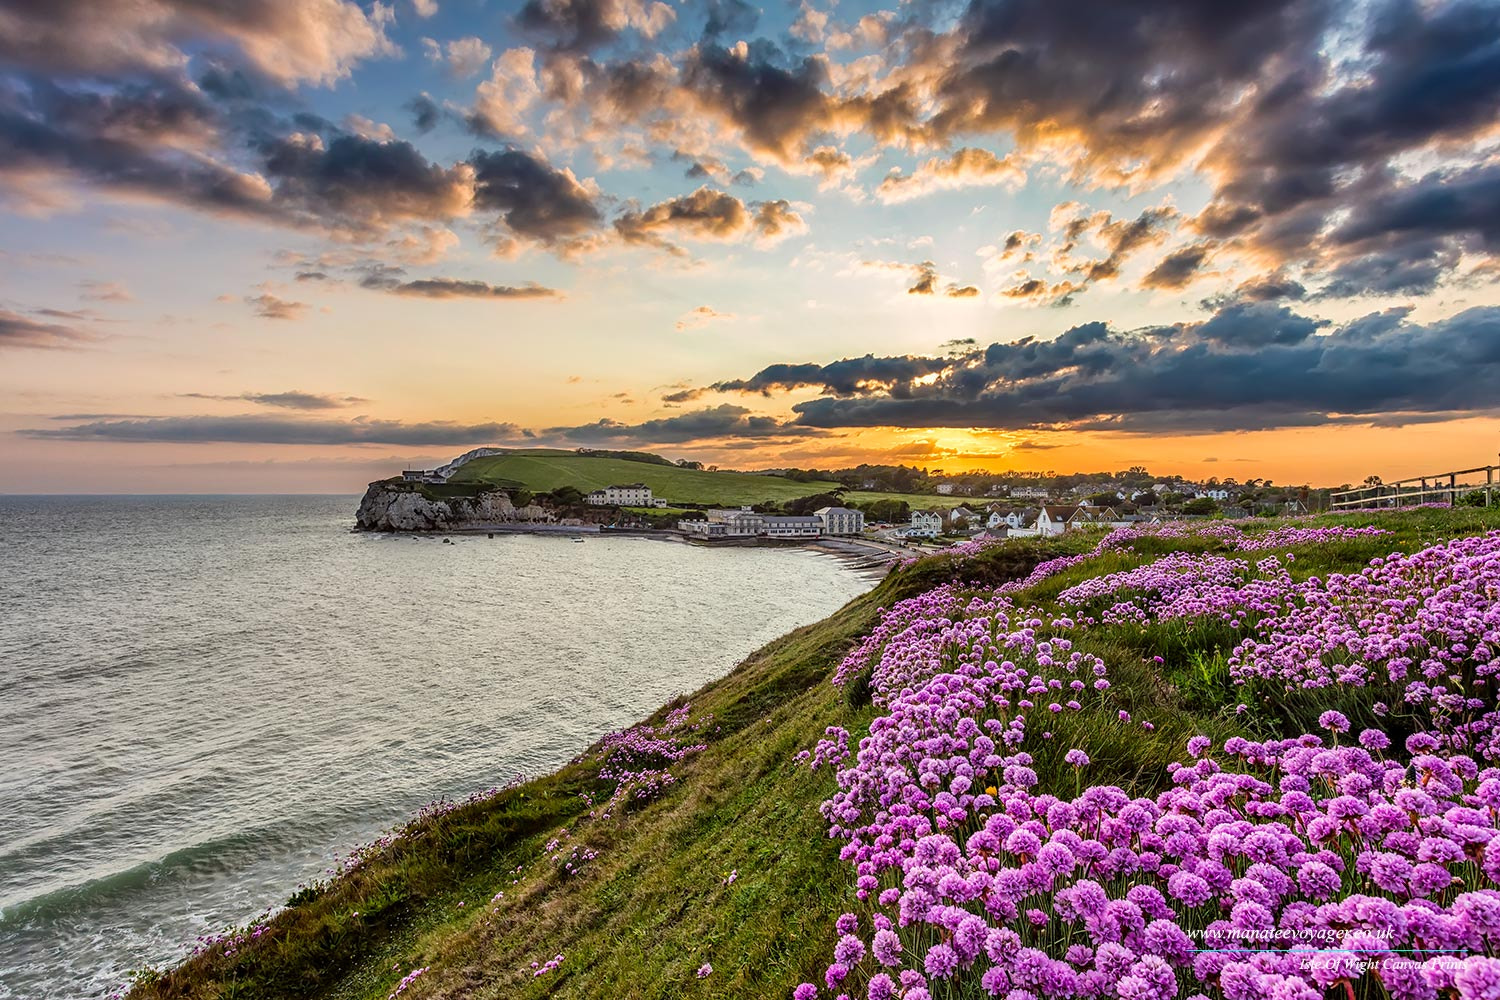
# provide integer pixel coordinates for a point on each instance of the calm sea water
(203, 698)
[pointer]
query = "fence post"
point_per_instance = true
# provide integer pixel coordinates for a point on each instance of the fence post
(1489, 486)
(1452, 489)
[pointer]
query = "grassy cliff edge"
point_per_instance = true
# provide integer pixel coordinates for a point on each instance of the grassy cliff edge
(729, 865)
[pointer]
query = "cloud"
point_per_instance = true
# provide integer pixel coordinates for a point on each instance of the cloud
(966, 167)
(463, 57)
(1249, 366)
(21, 331)
(724, 421)
(695, 319)
(581, 25)
(927, 284)
(289, 41)
(387, 280)
(292, 399)
(707, 214)
(268, 305)
(255, 429)
(105, 291)
(533, 200)
(1177, 269)
(845, 377)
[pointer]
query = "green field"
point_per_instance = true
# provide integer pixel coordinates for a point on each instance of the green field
(542, 471)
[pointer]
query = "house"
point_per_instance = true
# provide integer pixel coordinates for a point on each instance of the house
(946, 489)
(1054, 520)
(628, 495)
(422, 476)
(1011, 517)
(960, 517)
(799, 526)
(925, 524)
(1212, 494)
(1029, 492)
(1094, 514)
(840, 520)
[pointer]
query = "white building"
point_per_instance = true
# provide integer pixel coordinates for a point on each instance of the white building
(946, 489)
(1054, 520)
(739, 521)
(1213, 494)
(800, 526)
(629, 495)
(423, 476)
(1029, 492)
(925, 524)
(841, 520)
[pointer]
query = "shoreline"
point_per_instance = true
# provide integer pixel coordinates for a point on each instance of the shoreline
(865, 555)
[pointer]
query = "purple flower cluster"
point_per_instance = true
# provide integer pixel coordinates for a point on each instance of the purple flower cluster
(638, 759)
(1276, 868)
(1421, 630)
(406, 981)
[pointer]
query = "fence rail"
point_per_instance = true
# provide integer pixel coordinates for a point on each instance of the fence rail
(1444, 487)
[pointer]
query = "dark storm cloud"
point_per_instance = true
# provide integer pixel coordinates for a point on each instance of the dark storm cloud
(707, 214)
(281, 430)
(534, 199)
(1178, 268)
(774, 105)
(845, 377)
(363, 183)
(1252, 365)
(724, 421)
(128, 140)
(425, 113)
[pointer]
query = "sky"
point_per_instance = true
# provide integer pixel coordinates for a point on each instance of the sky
(297, 245)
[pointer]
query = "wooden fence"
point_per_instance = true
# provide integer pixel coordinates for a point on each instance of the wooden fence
(1445, 487)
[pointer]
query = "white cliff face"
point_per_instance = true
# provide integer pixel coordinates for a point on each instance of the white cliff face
(388, 508)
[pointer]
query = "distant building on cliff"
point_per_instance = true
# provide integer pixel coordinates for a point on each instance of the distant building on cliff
(629, 495)
(423, 476)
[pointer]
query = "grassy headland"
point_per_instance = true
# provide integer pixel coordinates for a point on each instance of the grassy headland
(729, 864)
(542, 471)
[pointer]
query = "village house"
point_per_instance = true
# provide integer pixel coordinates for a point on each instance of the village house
(946, 489)
(840, 520)
(1054, 520)
(1029, 493)
(961, 518)
(925, 524)
(628, 495)
(1011, 517)
(422, 476)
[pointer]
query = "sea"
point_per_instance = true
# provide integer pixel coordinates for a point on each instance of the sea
(204, 699)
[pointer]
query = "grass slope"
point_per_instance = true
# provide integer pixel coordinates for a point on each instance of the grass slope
(542, 471)
(654, 905)
(548, 472)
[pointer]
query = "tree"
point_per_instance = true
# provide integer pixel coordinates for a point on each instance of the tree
(1200, 505)
(1373, 481)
